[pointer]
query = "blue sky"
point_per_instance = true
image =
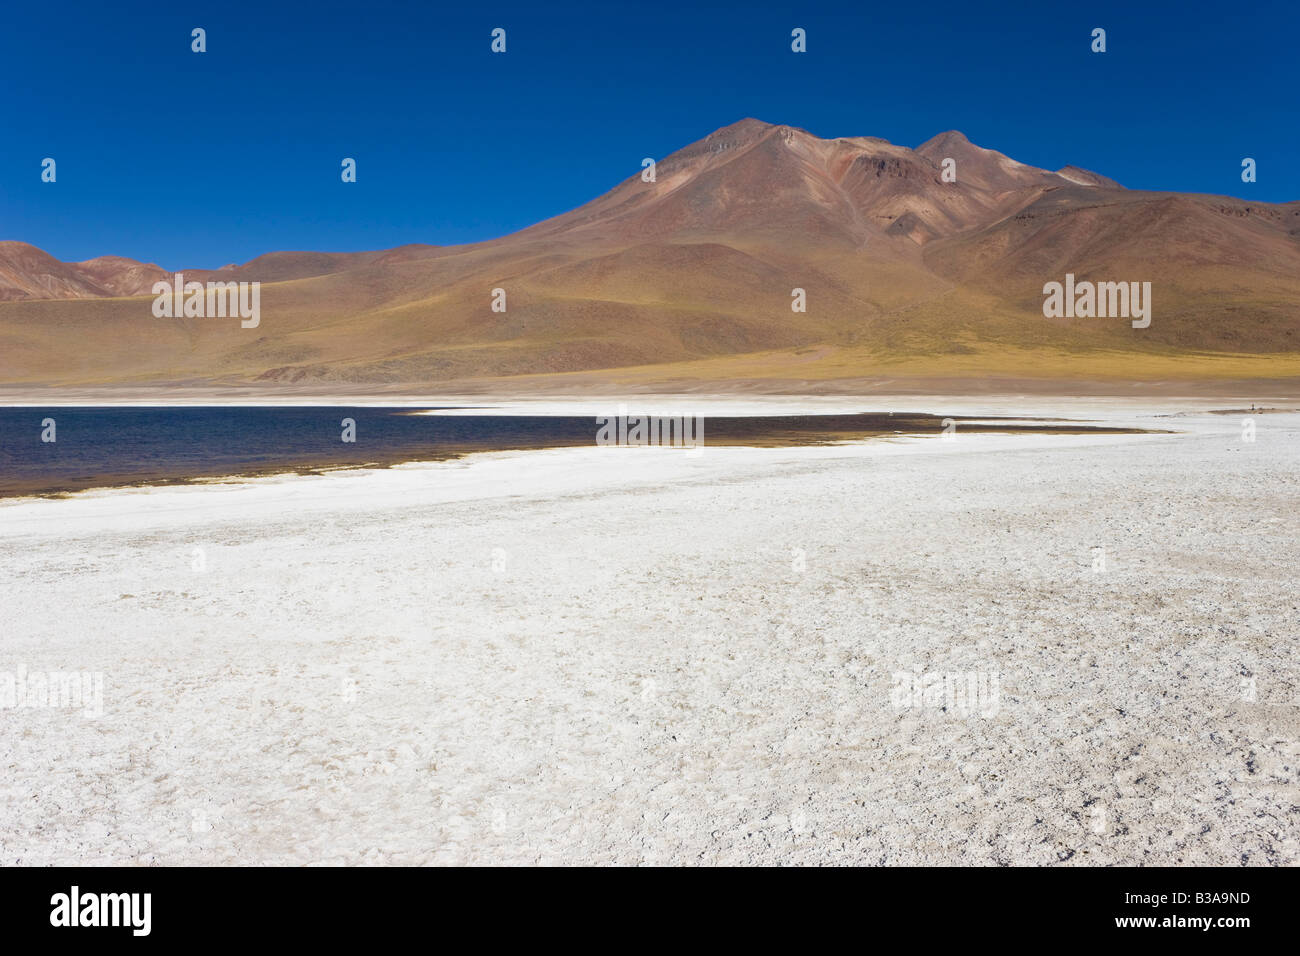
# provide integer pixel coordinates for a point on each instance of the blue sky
(197, 160)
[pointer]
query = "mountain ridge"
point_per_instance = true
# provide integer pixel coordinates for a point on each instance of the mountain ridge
(113, 274)
(898, 265)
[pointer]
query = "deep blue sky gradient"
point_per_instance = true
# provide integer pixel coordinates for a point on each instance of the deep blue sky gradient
(194, 160)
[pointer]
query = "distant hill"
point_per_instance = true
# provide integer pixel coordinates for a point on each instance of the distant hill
(688, 281)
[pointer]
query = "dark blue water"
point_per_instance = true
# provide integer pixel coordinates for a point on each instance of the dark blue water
(97, 447)
(115, 446)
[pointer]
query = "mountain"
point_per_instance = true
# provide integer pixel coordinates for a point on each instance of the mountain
(1086, 177)
(924, 263)
(29, 273)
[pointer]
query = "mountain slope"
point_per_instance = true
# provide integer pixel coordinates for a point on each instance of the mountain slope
(695, 271)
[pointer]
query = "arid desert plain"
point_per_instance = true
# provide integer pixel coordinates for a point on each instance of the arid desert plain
(989, 649)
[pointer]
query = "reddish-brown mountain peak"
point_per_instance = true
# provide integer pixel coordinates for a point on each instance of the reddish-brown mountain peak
(30, 273)
(980, 167)
(721, 144)
(950, 139)
(13, 250)
(119, 275)
(737, 135)
(955, 143)
(747, 128)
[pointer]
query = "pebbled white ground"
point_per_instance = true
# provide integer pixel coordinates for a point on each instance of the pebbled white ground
(611, 655)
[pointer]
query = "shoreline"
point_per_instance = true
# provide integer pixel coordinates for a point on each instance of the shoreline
(581, 387)
(585, 655)
(722, 431)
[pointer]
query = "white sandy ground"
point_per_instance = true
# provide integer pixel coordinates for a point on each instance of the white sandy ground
(609, 655)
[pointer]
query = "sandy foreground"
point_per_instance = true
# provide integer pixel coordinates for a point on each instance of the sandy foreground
(652, 656)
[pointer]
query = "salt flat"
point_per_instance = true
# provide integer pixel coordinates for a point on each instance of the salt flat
(653, 656)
